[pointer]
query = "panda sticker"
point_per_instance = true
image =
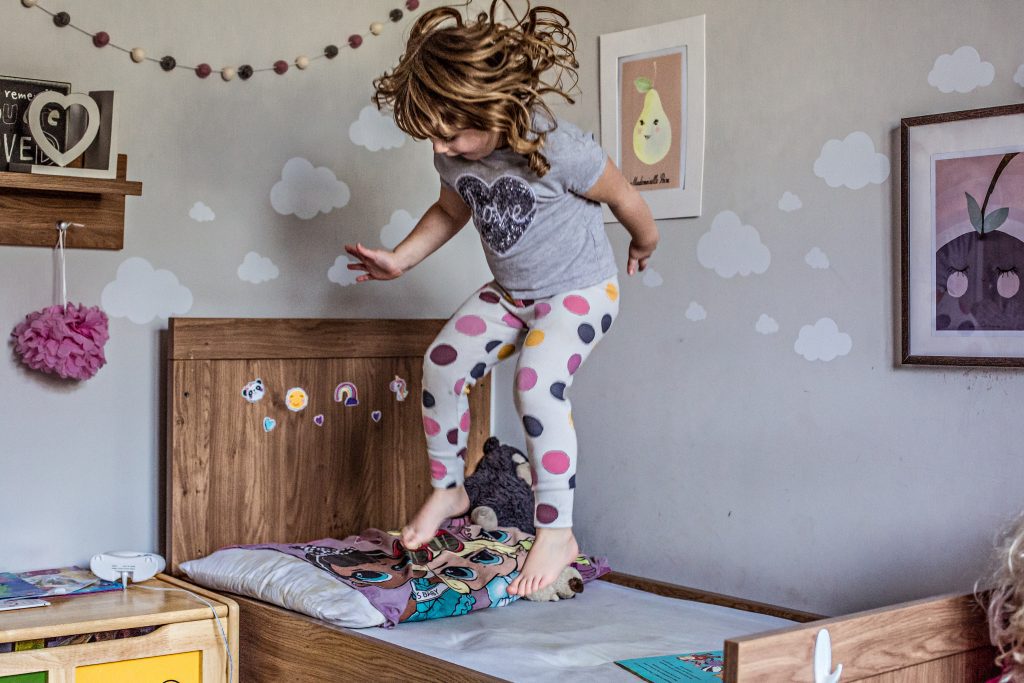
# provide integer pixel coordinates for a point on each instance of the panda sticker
(253, 391)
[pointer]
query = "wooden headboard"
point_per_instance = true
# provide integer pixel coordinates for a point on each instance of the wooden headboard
(231, 481)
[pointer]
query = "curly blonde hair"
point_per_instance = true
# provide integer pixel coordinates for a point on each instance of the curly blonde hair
(482, 75)
(1005, 603)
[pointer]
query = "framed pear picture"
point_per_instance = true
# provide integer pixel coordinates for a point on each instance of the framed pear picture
(652, 112)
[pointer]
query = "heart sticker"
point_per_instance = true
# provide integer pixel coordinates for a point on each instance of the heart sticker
(318, 420)
(35, 112)
(376, 415)
(502, 211)
(268, 424)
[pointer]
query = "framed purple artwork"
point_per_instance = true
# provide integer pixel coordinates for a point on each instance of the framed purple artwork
(963, 237)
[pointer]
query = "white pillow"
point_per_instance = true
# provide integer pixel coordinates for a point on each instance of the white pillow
(285, 581)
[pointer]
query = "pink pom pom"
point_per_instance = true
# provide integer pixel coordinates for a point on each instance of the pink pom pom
(65, 343)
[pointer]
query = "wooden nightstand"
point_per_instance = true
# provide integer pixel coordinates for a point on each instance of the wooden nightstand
(185, 647)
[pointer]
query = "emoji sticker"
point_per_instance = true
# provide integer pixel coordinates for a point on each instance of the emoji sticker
(346, 393)
(318, 420)
(253, 391)
(296, 399)
(268, 424)
(400, 388)
(376, 415)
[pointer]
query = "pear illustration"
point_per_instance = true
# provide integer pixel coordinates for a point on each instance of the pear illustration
(652, 134)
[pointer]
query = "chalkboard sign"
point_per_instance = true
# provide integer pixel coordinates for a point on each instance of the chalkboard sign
(16, 144)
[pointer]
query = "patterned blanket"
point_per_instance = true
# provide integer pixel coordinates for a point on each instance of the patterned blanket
(463, 568)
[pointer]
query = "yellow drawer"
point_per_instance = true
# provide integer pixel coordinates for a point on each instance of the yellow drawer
(185, 667)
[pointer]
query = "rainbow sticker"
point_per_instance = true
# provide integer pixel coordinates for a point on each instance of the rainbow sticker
(400, 388)
(296, 399)
(346, 393)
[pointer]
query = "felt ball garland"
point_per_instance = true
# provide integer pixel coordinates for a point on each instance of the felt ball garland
(101, 39)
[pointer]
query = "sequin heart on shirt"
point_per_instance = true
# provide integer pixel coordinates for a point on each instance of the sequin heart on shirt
(502, 211)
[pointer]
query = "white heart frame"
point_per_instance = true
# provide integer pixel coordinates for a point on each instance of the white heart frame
(92, 128)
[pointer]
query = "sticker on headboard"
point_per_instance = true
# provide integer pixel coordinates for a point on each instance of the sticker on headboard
(268, 424)
(376, 415)
(318, 420)
(400, 388)
(346, 393)
(253, 391)
(296, 399)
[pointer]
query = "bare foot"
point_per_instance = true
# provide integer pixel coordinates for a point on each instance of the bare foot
(442, 504)
(552, 552)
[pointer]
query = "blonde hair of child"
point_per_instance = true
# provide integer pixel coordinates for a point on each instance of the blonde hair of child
(482, 75)
(1005, 603)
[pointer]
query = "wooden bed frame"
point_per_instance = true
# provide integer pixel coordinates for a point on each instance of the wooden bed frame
(229, 482)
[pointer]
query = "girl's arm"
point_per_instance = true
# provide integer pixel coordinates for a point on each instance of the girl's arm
(440, 223)
(631, 210)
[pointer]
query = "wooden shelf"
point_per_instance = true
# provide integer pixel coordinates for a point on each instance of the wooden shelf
(58, 183)
(32, 204)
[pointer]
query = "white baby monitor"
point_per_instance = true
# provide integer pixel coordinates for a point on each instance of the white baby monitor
(125, 565)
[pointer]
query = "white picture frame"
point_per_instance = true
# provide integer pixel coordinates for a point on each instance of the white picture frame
(679, 47)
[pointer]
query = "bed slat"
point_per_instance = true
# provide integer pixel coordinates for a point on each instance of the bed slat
(284, 646)
(253, 338)
(914, 641)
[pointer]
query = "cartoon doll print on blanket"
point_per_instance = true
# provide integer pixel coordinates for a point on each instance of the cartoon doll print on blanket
(462, 569)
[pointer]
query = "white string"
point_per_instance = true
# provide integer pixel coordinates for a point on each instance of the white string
(62, 229)
(223, 635)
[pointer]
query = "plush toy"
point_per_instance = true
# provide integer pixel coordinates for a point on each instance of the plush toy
(566, 586)
(500, 490)
(501, 494)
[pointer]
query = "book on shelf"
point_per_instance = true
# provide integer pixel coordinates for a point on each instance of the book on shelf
(43, 583)
(16, 143)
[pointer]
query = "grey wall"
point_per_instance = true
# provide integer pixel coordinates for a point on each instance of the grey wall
(711, 454)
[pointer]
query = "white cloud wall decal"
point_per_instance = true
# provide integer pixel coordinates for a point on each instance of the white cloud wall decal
(375, 130)
(816, 258)
(201, 213)
(731, 247)
(766, 324)
(340, 274)
(1018, 77)
(306, 191)
(141, 293)
(398, 227)
(962, 71)
(790, 202)
(695, 312)
(822, 341)
(852, 162)
(257, 269)
(652, 278)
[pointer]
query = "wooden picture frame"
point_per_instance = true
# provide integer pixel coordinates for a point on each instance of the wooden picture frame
(652, 112)
(962, 204)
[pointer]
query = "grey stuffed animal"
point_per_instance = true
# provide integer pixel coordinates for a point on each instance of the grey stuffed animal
(500, 491)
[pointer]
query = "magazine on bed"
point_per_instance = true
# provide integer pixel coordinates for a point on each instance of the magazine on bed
(692, 666)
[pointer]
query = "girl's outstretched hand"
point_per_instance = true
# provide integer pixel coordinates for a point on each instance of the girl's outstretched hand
(638, 255)
(376, 264)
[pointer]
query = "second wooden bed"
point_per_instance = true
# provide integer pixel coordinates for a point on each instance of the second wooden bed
(245, 473)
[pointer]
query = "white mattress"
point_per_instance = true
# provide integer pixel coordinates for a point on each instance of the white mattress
(578, 639)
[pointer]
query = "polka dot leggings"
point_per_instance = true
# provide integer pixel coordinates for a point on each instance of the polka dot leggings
(554, 336)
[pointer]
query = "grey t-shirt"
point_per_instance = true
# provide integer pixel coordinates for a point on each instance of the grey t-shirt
(541, 237)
